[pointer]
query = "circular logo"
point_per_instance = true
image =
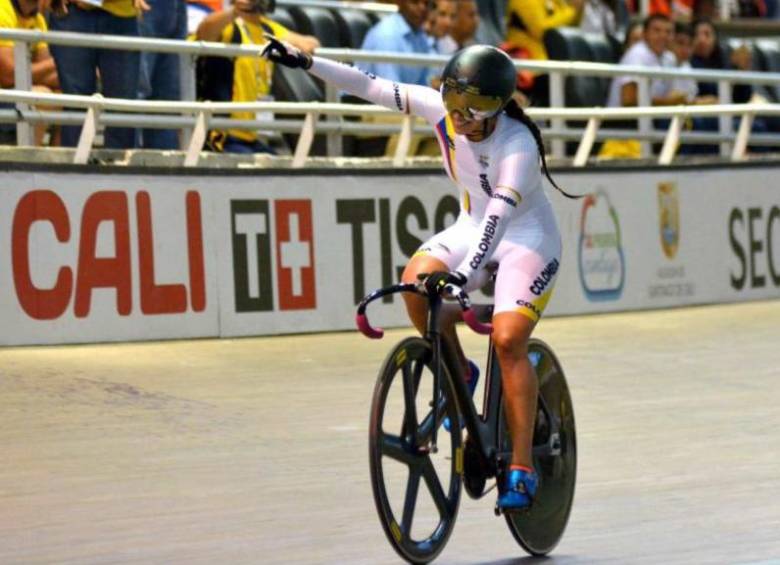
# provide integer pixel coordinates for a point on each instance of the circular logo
(601, 260)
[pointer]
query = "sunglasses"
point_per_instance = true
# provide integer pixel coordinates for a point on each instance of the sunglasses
(467, 101)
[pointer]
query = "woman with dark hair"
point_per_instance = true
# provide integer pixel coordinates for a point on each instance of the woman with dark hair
(707, 53)
(494, 153)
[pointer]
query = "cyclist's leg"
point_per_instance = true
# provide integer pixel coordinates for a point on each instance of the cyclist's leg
(511, 331)
(417, 306)
(524, 284)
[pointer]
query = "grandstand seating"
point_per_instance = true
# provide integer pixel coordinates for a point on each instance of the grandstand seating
(319, 22)
(282, 16)
(766, 57)
(353, 26)
(571, 44)
(491, 14)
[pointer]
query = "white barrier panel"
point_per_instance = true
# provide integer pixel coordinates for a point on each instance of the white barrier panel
(90, 257)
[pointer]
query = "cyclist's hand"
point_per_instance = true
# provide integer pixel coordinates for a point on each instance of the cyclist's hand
(437, 281)
(285, 54)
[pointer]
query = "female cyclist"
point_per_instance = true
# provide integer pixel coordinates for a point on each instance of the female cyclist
(492, 151)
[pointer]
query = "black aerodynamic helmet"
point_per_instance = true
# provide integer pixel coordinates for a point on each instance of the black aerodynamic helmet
(478, 82)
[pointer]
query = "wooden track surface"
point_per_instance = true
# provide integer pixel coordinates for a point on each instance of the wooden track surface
(255, 450)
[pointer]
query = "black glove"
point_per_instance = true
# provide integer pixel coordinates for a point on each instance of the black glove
(285, 54)
(436, 281)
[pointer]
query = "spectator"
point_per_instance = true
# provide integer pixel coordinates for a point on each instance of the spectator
(651, 51)
(633, 35)
(78, 67)
(598, 16)
(707, 54)
(24, 14)
(465, 27)
(159, 78)
(243, 79)
(439, 25)
(401, 32)
(681, 47)
(528, 20)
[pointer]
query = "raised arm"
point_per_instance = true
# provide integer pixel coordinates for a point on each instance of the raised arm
(407, 98)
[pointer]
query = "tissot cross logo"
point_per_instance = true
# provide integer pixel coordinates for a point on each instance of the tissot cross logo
(253, 259)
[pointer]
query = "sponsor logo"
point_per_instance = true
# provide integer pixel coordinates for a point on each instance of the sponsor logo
(484, 161)
(670, 280)
(254, 250)
(601, 261)
(511, 201)
(544, 278)
(530, 306)
(487, 238)
(404, 226)
(484, 183)
(101, 233)
(754, 235)
(397, 95)
(669, 218)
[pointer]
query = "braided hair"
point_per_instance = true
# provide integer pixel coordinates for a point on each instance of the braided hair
(514, 111)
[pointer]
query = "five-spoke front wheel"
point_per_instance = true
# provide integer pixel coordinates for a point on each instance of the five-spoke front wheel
(416, 489)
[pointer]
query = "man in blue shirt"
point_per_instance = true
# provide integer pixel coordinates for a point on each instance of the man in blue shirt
(401, 32)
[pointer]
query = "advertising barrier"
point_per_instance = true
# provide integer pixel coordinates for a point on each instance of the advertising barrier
(88, 257)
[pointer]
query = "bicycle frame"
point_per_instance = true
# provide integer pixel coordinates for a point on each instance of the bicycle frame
(483, 429)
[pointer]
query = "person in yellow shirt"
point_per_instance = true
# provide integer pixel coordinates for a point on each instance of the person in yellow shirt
(526, 23)
(528, 20)
(25, 14)
(243, 79)
(80, 67)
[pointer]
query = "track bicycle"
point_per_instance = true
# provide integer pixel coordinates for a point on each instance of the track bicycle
(419, 384)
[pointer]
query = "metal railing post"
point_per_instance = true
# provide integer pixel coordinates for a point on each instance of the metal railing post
(586, 144)
(557, 101)
(23, 81)
(333, 141)
(671, 142)
(743, 134)
(88, 131)
(404, 141)
(645, 123)
(188, 89)
(304, 141)
(197, 139)
(725, 125)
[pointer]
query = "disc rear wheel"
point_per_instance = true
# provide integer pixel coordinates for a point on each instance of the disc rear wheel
(539, 529)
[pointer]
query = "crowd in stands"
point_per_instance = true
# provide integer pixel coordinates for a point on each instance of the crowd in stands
(677, 34)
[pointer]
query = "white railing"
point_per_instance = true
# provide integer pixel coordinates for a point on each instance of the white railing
(557, 70)
(200, 115)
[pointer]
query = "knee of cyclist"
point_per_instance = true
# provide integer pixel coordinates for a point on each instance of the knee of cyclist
(508, 344)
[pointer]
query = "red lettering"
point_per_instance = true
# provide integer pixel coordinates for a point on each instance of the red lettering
(100, 272)
(195, 251)
(40, 304)
(155, 299)
(295, 255)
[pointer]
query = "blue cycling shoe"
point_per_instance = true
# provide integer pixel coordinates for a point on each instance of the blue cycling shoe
(472, 384)
(520, 489)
